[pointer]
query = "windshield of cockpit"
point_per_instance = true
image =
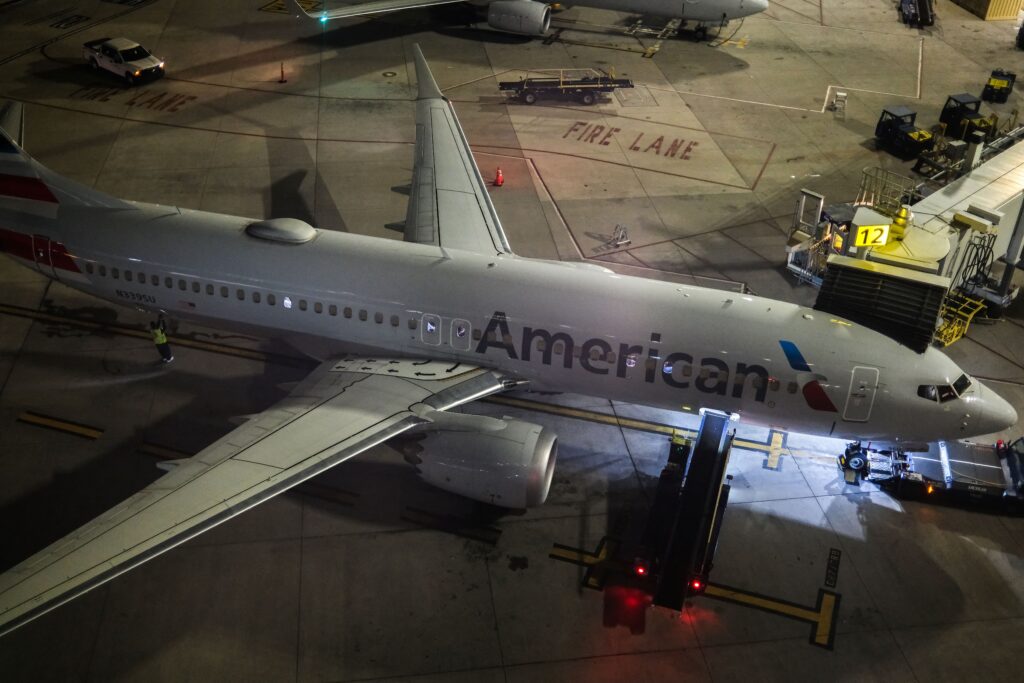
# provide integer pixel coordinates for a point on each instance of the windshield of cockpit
(945, 392)
(134, 53)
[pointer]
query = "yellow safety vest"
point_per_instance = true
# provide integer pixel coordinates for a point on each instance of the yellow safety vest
(159, 337)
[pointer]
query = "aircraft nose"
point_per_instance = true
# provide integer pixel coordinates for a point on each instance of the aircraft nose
(995, 414)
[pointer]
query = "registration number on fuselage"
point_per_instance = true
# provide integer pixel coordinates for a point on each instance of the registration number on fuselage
(135, 296)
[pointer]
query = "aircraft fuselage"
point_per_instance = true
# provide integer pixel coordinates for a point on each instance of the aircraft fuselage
(563, 326)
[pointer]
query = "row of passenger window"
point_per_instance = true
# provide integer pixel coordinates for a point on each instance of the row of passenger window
(240, 294)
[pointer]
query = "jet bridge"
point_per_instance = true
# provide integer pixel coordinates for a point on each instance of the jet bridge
(674, 554)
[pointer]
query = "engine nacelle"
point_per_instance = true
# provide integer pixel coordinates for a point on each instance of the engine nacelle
(519, 16)
(511, 467)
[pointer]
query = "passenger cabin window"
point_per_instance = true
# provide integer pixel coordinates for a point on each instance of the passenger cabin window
(240, 293)
(271, 299)
(115, 273)
(332, 310)
(362, 314)
(348, 312)
(224, 292)
(209, 290)
(169, 282)
(255, 297)
(88, 268)
(318, 307)
(378, 317)
(155, 280)
(128, 276)
(182, 285)
(302, 304)
(195, 287)
(103, 271)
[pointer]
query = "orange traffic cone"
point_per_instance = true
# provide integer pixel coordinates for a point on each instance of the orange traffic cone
(499, 178)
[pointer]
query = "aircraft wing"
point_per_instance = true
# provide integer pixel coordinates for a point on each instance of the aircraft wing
(340, 410)
(363, 8)
(448, 203)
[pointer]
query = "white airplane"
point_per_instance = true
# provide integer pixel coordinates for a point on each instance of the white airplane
(533, 17)
(420, 326)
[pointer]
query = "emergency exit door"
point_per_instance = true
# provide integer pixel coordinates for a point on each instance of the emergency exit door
(43, 255)
(863, 384)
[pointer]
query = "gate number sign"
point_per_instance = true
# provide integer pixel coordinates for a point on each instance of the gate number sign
(871, 235)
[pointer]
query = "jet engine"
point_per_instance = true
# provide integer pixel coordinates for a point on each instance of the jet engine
(519, 16)
(511, 467)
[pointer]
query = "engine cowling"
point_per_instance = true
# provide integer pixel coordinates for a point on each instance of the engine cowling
(519, 16)
(510, 467)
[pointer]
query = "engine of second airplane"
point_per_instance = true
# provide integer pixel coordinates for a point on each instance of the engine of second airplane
(511, 467)
(519, 16)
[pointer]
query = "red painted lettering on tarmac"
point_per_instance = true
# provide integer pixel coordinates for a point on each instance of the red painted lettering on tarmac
(634, 146)
(607, 136)
(597, 130)
(573, 128)
(686, 152)
(185, 99)
(656, 145)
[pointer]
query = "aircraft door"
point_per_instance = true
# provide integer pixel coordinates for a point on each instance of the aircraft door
(863, 384)
(43, 255)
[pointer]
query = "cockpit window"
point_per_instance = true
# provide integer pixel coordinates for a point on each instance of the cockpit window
(962, 383)
(944, 392)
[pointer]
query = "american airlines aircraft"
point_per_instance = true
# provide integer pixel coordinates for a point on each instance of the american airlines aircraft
(417, 327)
(533, 18)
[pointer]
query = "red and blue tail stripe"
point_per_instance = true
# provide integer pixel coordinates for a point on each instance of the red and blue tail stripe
(812, 390)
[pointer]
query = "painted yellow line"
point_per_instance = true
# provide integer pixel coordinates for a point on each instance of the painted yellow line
(626, 422)
(584, 558)
(774, 451)
(163, 452)
(59, 425)
(822, 617)
(589, 415)
(137, 333)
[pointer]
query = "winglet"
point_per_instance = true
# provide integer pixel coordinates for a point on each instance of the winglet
(426, 85)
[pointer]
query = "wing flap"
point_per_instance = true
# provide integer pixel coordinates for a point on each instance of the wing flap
(334, 415)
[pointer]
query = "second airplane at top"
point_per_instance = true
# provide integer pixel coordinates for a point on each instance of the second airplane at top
(532, 18)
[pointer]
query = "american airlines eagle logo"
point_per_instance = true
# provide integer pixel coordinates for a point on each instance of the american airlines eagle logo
(813, 392)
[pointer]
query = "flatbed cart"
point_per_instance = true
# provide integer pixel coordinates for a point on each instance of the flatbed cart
(585, 85)
(955, 472)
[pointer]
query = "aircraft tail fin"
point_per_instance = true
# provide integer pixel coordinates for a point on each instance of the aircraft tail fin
(25, 184)
(12, 123)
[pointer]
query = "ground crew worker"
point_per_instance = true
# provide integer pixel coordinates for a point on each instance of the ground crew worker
(159, 331)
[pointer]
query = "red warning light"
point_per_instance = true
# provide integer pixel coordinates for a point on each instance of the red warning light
(696, 585)
(640, 568)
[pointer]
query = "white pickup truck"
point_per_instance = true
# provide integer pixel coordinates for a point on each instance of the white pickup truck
(124, 58)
